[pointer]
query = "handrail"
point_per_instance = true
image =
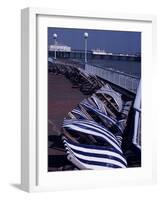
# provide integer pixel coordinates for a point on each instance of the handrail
(121, 79)
(137, 108)
(115, 71)
(137, 102)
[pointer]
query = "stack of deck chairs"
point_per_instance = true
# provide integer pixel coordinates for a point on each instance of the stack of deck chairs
(92, 132)
(87, 83)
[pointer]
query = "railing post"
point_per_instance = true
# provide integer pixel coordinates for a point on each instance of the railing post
(119, 79)
(132, 84)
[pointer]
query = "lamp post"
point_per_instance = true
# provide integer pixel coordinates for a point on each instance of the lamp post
(55, 37)
(85, 53)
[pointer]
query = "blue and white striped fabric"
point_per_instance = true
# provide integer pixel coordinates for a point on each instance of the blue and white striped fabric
(88, 127)
(86, 121)
(109, 120)
(106, 89)
(79, 113)
(93, 157)
(94, 108)
(100, 105)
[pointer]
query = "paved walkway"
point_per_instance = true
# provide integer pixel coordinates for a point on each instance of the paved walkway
(62, 98)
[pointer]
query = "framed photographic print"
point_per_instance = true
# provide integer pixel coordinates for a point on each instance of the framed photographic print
(86, 114)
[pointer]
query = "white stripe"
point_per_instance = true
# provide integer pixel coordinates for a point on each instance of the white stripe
(108, 134)
(96, 151)
(104, 160)
(99, 104)
(96, 159)
(79, 113)
(97, 129)
(87, 166)
(96, 134)
(98, 112)
(92, 123)
(116, 96)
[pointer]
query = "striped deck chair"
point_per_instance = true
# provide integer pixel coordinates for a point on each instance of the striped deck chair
(116, 97)
(79, 114)
(107, 120)
(86, 156)
(88, 127)
(101, 105)
(93, 157)
(89, 82)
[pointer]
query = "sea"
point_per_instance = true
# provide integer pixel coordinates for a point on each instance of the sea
(127, 66)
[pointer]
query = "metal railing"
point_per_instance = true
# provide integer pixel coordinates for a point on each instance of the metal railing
(137, 120)
(121, 79)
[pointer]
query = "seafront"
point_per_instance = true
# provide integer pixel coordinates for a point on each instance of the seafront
(93, 111)
(66, 79)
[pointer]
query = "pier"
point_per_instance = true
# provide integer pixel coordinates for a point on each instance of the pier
(93, 105)
(79, 54)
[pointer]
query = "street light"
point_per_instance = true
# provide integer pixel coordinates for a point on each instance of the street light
(55, 37)
(85, 55)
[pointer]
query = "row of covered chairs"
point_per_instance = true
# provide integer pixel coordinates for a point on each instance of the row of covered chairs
(94, 130)
(87, 83)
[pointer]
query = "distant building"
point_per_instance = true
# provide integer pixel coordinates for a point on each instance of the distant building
(99, 52)
(59, 47)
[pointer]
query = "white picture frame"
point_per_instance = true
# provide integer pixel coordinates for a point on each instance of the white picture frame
(34, 176)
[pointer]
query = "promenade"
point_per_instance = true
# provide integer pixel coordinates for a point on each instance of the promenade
(62, 98)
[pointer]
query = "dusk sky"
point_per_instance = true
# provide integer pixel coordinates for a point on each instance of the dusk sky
(111, 41)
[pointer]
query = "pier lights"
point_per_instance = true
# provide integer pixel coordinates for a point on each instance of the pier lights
(55, 37)
(85, 53)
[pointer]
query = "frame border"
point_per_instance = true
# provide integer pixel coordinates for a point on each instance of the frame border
(29, 144)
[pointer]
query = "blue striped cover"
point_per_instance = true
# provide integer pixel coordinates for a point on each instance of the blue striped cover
(92, 128)
(93, 157)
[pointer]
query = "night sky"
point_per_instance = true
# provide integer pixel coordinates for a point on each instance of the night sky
(111, 41)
